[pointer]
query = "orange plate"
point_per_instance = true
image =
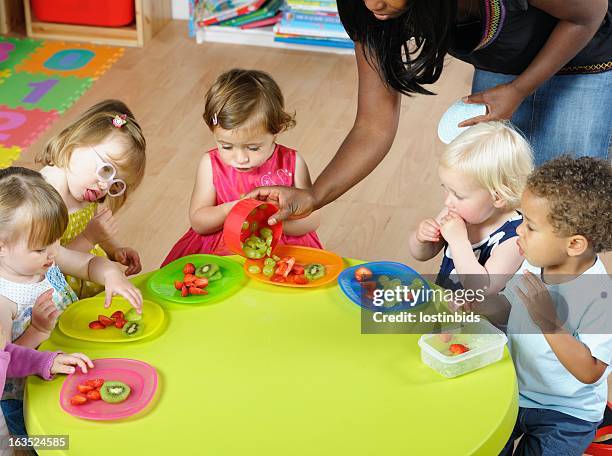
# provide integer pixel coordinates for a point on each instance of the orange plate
(303, 255)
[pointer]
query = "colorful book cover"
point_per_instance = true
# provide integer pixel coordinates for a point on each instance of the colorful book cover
(291, 26)
(262, 23)
(345, 44)
(316, 16)
(313, 5)
(268, 10)
(237, 8)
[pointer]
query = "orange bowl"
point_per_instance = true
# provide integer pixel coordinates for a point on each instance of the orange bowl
(303, 255)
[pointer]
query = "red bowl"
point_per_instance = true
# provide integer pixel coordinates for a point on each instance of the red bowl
(256, 213)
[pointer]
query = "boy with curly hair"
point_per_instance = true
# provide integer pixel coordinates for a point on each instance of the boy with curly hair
(561, 307)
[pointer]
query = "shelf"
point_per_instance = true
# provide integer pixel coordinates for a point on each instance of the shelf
(263, 36)
(151, 17)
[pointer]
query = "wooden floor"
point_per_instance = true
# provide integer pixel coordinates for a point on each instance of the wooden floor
(164, 85)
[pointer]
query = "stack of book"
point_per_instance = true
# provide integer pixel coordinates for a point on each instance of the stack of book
(311, 25)
(244, 14)
(312, 22)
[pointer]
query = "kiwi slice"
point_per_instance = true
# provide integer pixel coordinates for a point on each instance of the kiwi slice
(132, 315)
(314, 271)
(114, 392)
(133, 328)
(216, 276)
(207, 270)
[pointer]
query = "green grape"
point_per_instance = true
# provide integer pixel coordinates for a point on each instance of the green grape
(270, 262)
(254, 269)
(245, 226)
(268, 271)
(265, 232)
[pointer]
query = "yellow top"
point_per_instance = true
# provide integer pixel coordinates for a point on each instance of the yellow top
(77, 222)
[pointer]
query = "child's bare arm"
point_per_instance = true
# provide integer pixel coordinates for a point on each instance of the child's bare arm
(205, 216)
(308, 224)
(576, 357)
(44, 317)
(426, 241)
(80, 243)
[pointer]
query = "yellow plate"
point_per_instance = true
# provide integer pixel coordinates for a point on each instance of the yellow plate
(75, 320)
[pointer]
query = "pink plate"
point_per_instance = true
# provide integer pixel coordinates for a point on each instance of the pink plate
(139, 376)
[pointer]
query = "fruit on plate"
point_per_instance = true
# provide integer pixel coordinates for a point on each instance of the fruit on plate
(189, 268)
(118, 315)
(78, 399)
(114, 392)
(133, 328)
(207, 270)
(254, 269)
(106, 321)
(85, 388)
(458, 349)
(93, 395)
(133, 315)
(96, 325)
(95, 382)
(314, 271)
(362, 274)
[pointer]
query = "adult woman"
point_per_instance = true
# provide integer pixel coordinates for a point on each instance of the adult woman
(542, 63)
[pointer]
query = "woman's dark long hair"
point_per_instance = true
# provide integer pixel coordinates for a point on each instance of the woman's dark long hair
(403, 65)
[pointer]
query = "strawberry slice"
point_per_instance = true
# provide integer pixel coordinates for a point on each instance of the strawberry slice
(96, 325)
(94, 395)
(200, 282)
(297, 269)
(119, 323)
(300, 279)
(184, 291)
(78, 399)
(458, 349)
(105, 320)
(178, 284)
(118, 315)
(197, 291)
(189, 268)
(85, 388)
(278, 278)
(189, 279)
(95, 382)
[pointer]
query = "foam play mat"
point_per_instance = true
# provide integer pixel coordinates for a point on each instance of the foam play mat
(39, 80)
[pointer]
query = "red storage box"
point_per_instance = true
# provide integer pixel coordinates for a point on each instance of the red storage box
(103, 13)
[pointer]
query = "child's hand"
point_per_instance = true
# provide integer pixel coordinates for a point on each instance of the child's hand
(45, 313)
(453, 228)
(63, 364)
(538, 303)
(428, 231)
(101, 227)
(117, 284)
(129, 257)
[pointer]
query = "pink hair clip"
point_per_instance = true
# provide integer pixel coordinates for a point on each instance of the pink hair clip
(119, 120)
(214, 119)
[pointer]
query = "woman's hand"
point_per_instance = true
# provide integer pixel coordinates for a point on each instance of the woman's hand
(129, 257)
(116, 284)
(293, 203)
(501, 102)
(64, 364)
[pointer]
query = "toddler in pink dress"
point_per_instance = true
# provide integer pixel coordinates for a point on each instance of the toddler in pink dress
(245, 111)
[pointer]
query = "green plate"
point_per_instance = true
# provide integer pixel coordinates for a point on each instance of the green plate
(162, 282)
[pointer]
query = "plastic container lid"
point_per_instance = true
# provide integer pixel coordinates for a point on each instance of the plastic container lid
(457, 113)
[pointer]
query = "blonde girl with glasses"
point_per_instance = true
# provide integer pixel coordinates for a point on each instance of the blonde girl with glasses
(100, 158)
(33, 291)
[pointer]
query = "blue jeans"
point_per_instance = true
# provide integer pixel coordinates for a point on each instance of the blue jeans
(549, 433)
(570, 114)
(13, 414)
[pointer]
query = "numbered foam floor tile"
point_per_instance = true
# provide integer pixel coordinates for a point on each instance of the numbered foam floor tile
(71, 59)
(20, 127)
(8, 155)
(40, 91)
(15, 50)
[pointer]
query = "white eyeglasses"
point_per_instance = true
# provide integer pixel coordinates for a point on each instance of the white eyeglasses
(106, 173)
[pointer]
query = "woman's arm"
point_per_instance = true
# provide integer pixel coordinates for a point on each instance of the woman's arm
(368, 142)
(205, 216)
(365, 146)
(578, 23)
(304, 225)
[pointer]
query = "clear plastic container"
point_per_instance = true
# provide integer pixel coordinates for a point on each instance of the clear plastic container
(485, 343)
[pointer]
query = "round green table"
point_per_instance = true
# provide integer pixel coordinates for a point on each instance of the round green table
(276, 371)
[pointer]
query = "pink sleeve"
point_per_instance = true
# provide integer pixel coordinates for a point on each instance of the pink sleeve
(26, 361)
(5, 358)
